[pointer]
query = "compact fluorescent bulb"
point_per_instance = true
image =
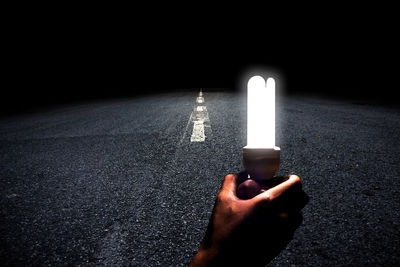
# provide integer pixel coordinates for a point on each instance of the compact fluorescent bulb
(260, 113)
(261, 158)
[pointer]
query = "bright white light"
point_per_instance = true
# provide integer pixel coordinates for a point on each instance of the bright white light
(260, 113)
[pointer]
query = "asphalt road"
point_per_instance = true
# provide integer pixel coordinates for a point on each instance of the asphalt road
(119, 182)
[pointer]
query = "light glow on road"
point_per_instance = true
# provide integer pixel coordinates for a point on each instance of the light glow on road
(260, 113)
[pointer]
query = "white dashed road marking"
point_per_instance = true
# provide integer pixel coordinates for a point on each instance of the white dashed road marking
(198, 132)
(200, 120)
(200, 100)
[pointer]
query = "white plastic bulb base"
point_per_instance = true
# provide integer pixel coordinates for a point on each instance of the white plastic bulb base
(261, 163)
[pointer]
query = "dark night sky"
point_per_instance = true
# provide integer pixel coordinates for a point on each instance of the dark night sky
(62, 57)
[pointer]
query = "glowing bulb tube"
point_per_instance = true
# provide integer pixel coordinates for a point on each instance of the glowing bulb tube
(261, 158)
(260, 113)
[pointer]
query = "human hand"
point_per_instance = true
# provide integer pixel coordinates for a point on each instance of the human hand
(251, 232)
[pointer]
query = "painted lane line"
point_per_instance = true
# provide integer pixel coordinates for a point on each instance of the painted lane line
(201, 108)
(198, 132)
(200, 119)
(200, 100)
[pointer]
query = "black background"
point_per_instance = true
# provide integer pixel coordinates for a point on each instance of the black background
(64, 54)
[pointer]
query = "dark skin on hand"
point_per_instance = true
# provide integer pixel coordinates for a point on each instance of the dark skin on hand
(250, 227)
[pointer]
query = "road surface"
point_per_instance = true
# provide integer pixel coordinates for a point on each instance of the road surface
(133, 181)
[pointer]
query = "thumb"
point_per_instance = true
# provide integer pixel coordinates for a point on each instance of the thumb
(229, 184)
(277, 192)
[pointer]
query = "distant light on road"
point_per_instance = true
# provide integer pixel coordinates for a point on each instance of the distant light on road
(260, 113)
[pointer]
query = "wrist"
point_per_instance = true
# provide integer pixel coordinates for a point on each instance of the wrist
(204, 257)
